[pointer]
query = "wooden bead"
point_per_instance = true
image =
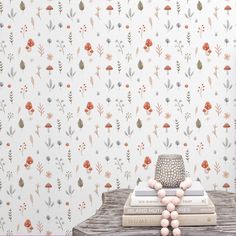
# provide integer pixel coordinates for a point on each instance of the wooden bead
(179, 193)
(165, 200)
(183, 185)
(151, 183)
(174, 215)
(175, 201)
(161, 193)
(188, 182)
(165, 214)
(164, 223)
(158, 186)
(174, 224)
(176, 232)
(170, 207)
(164, 231)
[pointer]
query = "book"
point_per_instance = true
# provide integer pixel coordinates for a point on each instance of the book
(154, 220)
(156, 201)
(192, 209)
(142, 189)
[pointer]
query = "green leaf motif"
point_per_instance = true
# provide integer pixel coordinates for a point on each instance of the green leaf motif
(198, 124)
(199, 6)
(140, 6)
(81, 65)
(140, 65)
(21, 123)
(22, 6)
(80, 124)
(81, 6)
(139, 124)
(199, 65)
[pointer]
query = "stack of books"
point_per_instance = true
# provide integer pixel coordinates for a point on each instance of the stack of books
(143, 207)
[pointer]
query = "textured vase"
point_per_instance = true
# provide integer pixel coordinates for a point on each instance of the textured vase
(170, 170)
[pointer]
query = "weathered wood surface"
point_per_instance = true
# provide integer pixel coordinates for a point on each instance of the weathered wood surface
(107, 220)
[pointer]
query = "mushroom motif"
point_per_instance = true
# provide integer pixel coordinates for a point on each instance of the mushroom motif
(226, 186)
(226, 126)
(48, 126)
(167, 68)
(109, 68)
(146, 162)
(166, 126)
(167, 8)
(49, 8)
(48, 186)
(228, 9)
(108, 126)
(108, 186)
(49, 69)
(109, 8)
(227, 68)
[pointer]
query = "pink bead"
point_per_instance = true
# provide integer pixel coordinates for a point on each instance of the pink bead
(165, 200)
(164, 231)
(174, 224)
(161, 193)
(175, 200)
(174, 215)
(170, 207)
(183, 185)
(164, 223)
(188, 182)
(176, 232)
(165, 214)
(151, 183)
(158, 186)
(179, 193)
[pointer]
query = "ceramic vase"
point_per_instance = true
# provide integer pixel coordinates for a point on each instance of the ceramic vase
(170, 170)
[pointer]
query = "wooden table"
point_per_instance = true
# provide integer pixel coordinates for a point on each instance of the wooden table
(107, 220)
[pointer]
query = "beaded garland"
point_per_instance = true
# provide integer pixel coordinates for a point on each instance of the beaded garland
(170, 215)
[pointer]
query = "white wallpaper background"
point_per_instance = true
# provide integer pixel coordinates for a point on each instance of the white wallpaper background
(92, 91)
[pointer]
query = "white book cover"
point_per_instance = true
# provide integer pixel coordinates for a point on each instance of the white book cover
(155, 200)
(154, 220)
(142, 189)
(153, 210)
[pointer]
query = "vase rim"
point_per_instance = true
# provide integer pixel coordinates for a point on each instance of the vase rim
(170, 156)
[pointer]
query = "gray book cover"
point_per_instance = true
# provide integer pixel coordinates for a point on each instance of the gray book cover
(142, 189)
(184, 209)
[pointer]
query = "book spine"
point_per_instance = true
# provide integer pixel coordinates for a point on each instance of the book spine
(158, 210)
(154, 220)
(155, 201)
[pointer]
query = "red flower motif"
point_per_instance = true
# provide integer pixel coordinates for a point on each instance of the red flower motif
(205, 164)
(30, 43)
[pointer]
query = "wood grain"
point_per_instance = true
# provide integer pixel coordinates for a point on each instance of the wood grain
(107, 220)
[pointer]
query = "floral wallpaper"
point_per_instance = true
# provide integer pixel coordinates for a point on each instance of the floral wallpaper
(92, 91)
